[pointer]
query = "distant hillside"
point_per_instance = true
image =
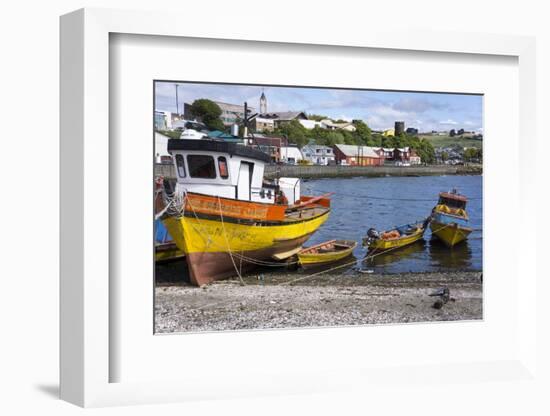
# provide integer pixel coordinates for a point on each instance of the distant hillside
(445, 141)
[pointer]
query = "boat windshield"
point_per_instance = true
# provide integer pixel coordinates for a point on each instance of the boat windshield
(452, 203)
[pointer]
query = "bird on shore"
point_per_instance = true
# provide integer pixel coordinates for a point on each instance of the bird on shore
(444, 295)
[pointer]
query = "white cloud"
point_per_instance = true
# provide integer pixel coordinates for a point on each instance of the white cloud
(347, 118)
(449, 122)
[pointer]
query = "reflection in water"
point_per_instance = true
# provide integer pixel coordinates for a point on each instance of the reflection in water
(374, 259)
(457, 257)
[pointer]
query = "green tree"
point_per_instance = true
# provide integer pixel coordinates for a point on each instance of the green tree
(472, 153)
(375, 140)
(425, 150)
(209, 112)
(295, 132)
(316, 117)
(363, 133)
(334, 137)
(349, 137)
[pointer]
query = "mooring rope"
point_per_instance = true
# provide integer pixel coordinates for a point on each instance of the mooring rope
(348, 264)
(176, 206)
(227, 242)
(317, 273)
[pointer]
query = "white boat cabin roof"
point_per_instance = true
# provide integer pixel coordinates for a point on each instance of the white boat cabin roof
(219, 168)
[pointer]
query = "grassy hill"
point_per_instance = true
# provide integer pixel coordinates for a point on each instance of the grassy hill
(445, 141)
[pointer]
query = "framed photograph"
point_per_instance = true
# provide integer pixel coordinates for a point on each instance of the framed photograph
(283, 213)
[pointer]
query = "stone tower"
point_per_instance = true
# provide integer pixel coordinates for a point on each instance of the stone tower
(263, 104)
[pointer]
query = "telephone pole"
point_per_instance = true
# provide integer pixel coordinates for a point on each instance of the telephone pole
(177, 104)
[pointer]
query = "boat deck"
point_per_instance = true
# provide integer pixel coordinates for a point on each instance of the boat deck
(305, 213)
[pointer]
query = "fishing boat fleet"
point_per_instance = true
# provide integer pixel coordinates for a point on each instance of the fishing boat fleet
(226, 218)
(448, 222)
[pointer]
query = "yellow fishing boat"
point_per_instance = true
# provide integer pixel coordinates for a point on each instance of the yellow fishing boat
(398, 237)
(225, 217)
(325, 253)
(449, 218)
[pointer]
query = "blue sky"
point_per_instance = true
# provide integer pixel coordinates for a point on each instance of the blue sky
(380, 109)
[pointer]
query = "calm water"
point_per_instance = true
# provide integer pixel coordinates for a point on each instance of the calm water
(355, 210)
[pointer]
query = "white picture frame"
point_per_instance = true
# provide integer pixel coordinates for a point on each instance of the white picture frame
(86, 305)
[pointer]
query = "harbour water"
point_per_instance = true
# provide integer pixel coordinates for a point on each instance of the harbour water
(383, 203)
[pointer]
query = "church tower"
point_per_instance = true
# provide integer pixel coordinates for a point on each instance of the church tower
(263, 103)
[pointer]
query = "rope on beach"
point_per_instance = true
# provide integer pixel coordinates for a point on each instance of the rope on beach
(348, 264)
(318, 273)
(258, 262)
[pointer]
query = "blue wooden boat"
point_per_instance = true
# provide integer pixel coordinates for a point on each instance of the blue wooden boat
(165, 247)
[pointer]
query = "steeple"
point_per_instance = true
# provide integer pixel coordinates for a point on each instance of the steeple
(263, 103)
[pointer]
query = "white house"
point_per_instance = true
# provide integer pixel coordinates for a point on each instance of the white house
(331, 125)
(291, 154)
(311, 124)
(317, 154)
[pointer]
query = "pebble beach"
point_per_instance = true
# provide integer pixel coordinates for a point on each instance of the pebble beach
(269, 300)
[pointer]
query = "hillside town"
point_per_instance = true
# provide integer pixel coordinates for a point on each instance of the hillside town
(298, 138)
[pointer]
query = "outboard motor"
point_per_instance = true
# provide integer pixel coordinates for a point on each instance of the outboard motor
(372, 234)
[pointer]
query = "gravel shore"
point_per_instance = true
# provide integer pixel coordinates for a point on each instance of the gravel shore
(267, 300)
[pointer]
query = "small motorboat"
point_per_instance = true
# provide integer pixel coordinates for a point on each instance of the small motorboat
(325, 253)
(450, 221)
(397, 237)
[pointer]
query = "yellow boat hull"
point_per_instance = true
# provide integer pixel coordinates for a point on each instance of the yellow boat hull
(450, 234)
(217, 248)
(317, 259)
(381, 244)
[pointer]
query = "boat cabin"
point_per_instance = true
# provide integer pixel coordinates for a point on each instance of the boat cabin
(228, 170)
(452, 200)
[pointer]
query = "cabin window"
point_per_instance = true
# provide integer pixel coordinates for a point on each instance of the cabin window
(201, 166)
(180, 165)
(222, 167)
(453, 203)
